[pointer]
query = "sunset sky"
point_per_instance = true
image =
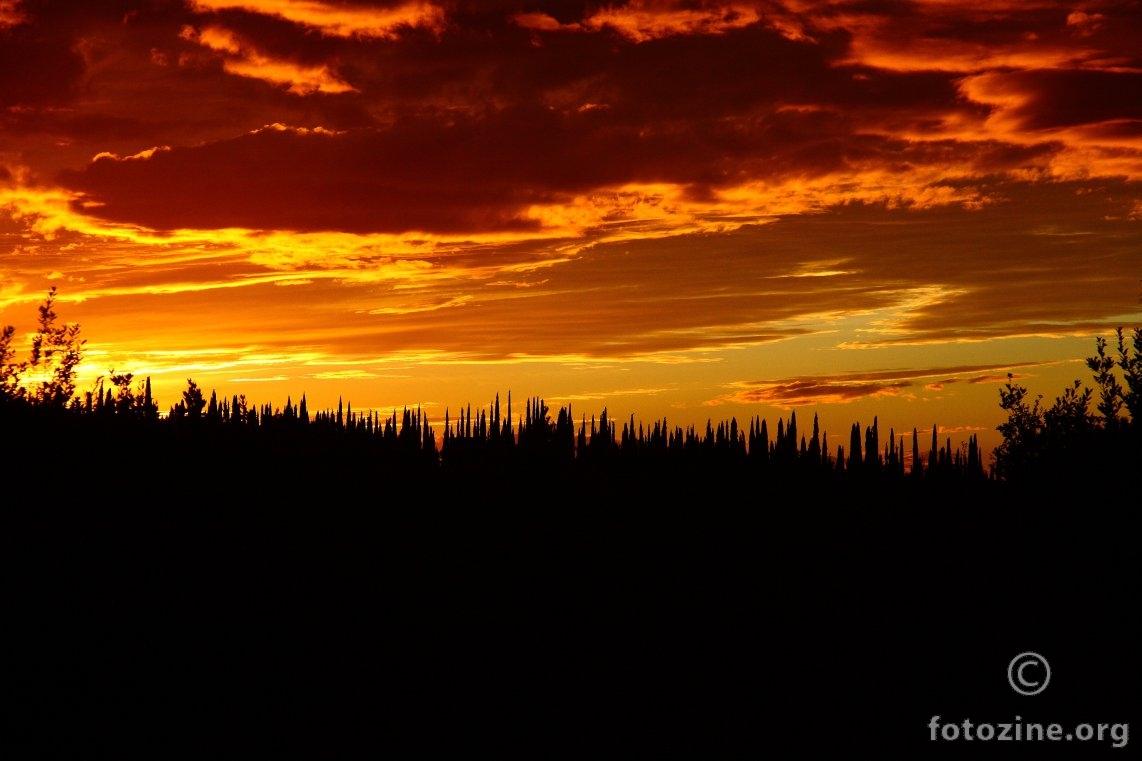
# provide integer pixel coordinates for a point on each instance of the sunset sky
(690, 210)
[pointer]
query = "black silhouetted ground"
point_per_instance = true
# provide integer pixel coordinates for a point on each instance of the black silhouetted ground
(211, 609)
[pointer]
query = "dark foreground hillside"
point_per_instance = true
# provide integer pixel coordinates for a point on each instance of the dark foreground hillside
(202, 609)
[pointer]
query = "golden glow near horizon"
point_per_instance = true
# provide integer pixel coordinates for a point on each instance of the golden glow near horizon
(674, 210)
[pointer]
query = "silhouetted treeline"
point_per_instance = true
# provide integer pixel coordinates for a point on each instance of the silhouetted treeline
(481, 447)
(476, 446)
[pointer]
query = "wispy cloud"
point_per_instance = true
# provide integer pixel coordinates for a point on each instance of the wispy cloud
(849, 387)
(338, 19)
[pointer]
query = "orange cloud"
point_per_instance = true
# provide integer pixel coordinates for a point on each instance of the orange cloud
(953, 36)
(10, 13)
(340, 20)
(806, 391)
(1085, 24)
(541, 22)
(1094, 116)
(643, 20)
(243, 59)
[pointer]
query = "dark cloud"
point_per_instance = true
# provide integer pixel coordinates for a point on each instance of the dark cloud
(808, 391)
(283, 179)
(478, 173)
(848, 387)
(38, 67)
(1059, 98)
(993, 378)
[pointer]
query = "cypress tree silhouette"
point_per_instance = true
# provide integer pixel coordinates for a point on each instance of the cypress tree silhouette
(150, 410)
(872, 446)
(791, 434)
(917, 463)
(814, 451)
(854, 453)
(933, 452)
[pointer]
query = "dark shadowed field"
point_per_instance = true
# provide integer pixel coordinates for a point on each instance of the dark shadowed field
(203, 610)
